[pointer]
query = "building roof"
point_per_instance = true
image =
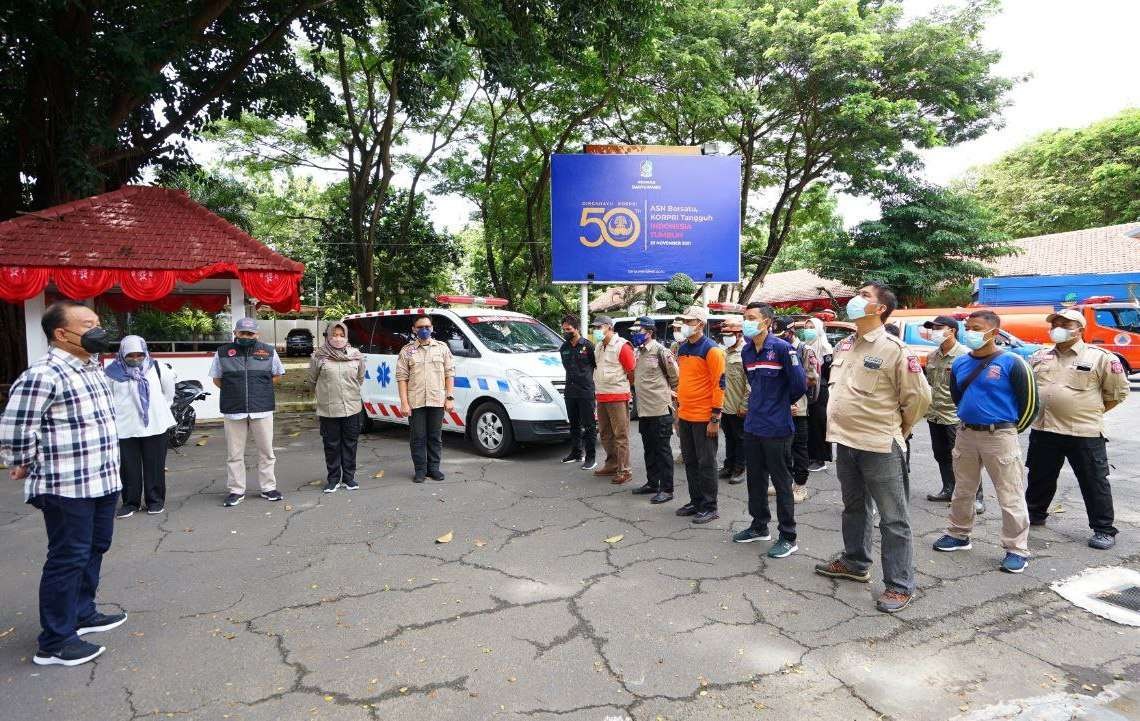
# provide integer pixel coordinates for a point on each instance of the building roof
(1110, 249)
(135, 227)
(791, 287)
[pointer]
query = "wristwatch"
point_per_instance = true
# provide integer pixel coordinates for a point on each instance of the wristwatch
(451, 398)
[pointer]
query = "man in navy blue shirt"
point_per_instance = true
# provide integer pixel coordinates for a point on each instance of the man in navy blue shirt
(996, 397)
(777, 380)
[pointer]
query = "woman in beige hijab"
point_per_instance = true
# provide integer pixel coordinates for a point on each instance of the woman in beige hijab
(336, 372)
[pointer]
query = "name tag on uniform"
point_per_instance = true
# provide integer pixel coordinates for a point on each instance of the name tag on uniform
(872, 362)
(1085, 368)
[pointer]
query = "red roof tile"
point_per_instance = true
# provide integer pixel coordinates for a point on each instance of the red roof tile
(135, 227)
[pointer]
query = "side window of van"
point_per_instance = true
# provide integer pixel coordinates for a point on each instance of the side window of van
(1105, 319)
(360, 333)
(392, 334)
(445, 331)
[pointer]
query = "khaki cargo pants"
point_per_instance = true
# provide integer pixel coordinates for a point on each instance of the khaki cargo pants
(1000, 454)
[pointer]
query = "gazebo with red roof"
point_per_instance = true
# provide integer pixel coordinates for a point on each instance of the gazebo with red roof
(138, 245)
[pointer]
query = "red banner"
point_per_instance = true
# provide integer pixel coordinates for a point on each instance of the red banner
(17, 283)
(147, 285)
(83, 283)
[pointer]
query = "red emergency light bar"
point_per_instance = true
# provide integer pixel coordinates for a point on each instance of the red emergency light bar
(726, 307)
(1097, 299)
(471, 300)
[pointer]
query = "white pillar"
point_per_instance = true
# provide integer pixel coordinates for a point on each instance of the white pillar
(706, 294)
(34, 336)
(237, 302)
(584, 306)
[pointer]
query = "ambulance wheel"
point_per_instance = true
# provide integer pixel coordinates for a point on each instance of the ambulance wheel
(491, 430)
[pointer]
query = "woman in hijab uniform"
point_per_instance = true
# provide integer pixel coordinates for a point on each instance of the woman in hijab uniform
(142, 394)
(336, 371)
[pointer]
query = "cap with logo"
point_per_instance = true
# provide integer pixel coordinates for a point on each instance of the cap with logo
(246, 324)
(942, 320)
(695, 312)
(1068, 314)
(643, 322)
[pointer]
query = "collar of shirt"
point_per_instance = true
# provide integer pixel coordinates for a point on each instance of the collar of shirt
(72, 360)
(954, 351)
(1075, 349)
(873, 335)
(649, 345)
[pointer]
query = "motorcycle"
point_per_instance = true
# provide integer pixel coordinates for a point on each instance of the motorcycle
(186, 393)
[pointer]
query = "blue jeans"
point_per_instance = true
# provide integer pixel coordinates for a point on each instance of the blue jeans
(865, 476)
(79, 533)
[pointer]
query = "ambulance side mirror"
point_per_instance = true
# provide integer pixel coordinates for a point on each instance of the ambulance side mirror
(459, 349)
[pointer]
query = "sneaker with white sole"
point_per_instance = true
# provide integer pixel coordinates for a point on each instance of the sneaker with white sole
(126, 512)
(233, 499)
(817, 466)
(1013, 563)
(73, 654)
(101, 622)
(272, 495)
(749, 535)
(782, 549)
(948, 544)
(331, 487)
(155, 510)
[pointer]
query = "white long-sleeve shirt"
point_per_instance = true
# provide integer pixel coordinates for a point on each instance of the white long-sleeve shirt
(127, 411)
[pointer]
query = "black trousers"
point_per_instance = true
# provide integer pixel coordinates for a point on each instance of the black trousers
(942, 439)
(340, 437)
(699, 452)
(800, 455)
(1088, 457)
(733, 427)
(656, 432)
(771, 458)
(142, 469)
(583, 425)
(79, 532)
(426, 439)
(818, 447)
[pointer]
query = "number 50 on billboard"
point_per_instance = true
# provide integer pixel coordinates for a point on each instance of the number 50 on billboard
(644, 218)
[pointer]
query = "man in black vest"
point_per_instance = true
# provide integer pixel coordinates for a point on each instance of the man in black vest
(246, 371)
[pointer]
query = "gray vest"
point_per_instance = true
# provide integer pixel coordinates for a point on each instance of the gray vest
(247, 378)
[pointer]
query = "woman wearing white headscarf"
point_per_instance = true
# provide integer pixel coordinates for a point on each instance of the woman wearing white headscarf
(142, 394)
(819, 450)
(337, 371)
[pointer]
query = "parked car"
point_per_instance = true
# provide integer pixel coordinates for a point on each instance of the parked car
(509, 379)
(299, 341)
(913, 336)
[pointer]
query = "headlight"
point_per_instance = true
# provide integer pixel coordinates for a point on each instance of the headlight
(527, 387)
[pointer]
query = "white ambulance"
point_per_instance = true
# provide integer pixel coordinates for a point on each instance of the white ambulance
(509, 380)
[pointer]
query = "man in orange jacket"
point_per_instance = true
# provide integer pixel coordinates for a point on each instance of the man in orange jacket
(700, 397)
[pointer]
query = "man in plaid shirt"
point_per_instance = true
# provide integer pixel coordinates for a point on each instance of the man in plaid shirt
(58, 435)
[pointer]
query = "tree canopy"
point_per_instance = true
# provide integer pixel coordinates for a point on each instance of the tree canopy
(1065, 179)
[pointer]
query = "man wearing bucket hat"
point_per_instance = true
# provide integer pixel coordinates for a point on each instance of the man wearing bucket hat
(246, 371)
(1078, 383)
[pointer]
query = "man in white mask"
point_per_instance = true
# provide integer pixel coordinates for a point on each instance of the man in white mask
(1078, 384)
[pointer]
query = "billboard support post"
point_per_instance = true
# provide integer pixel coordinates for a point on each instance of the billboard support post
(584, 305)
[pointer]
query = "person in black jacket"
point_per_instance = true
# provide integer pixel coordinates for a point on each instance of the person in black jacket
(578, 360)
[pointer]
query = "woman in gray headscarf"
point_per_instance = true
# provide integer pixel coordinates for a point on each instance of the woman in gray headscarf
(142, 393)
(337, 371)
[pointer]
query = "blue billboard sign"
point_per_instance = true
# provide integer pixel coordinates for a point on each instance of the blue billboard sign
(644, 218)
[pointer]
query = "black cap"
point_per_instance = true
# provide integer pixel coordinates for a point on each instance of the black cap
(783, 324)
(945, 320)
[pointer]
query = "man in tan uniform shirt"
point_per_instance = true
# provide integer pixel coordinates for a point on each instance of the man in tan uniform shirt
(878, 394)
(1078, 383)
(425, 374)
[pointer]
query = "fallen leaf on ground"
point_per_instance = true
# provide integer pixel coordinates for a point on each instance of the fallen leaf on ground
(615, 539)
(294, 434)
(137, 634)
(7, 631)
(1057, 509)
(201, 442)
(403, 689)
(445, 538)
(378, 474)
(511, 679)
(288, 508)
(229, 636)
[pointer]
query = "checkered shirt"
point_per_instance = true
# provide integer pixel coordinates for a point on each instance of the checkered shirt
(60, 423)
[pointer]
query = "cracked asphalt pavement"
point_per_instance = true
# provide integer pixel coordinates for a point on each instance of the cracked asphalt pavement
(344, 606)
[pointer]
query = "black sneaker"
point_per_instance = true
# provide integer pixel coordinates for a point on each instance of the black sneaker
(73, 654)
(646, 490)
(418, 478)
(331, 486)
(436, 475)
(126, 512)
(724, 473)
(101, 622)
(706, 517)
(590, 463)
(156, 509)
(662, 497)
(686, 510)
(272, 495)
(350, 485)
(573, 457)
(233, 499)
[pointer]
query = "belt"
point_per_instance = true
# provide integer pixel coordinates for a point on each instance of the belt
(991, 427)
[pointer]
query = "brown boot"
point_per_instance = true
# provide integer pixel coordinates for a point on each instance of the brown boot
(606, 470)
(622, 477)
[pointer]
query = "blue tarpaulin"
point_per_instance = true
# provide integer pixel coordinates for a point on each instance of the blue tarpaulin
(1056, 289)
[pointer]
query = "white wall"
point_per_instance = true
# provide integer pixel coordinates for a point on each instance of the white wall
(194, 366)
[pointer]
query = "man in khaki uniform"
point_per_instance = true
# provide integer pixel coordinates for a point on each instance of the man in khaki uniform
(878, 394)
(735, 400)
(655, 378)
(425, 373)
(943, 416)
(1078, 383)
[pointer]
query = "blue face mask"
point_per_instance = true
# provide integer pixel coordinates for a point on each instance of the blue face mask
(423, 333)
(974, 339)
(638, 339)
(598, 335)
(857, 307)
(808, 334)
(751, 328)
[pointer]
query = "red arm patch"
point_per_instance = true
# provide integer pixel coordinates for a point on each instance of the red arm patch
(912, 365)
(1117, 368)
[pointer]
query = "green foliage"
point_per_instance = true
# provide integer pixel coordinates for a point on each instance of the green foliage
(677, 295)
(951, 296)
(184, 324)
(221, 195)
(927, 238)
(815, 222)
(1066, 179)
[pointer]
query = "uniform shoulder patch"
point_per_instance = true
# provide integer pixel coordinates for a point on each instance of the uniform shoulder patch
(1117, 367)
(912, 365)
(846, 344)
